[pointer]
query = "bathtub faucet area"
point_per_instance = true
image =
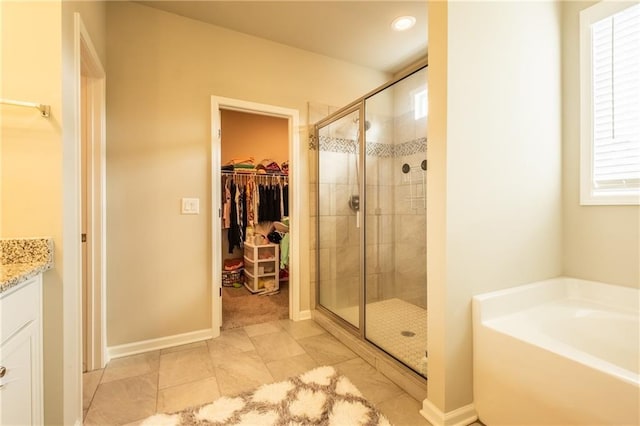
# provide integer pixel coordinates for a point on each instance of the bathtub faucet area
(557, 352)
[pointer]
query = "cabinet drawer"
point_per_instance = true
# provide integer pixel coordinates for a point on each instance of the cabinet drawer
(259, 253)
(260, 268)
(267, 252)
(18, 307)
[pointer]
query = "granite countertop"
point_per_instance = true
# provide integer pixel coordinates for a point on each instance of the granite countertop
(23, 258)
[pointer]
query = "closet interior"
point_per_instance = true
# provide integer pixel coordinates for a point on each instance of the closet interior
(255, 218)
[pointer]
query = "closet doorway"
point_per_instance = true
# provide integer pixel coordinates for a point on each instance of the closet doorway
(252, 198)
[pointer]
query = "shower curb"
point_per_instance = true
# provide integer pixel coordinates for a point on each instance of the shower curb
(405, 378)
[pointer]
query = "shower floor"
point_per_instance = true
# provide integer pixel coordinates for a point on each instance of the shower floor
(398, 327)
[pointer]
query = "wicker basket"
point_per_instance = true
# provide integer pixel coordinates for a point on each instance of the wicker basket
(229, 278)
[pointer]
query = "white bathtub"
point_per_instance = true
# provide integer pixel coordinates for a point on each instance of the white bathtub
(557, 352)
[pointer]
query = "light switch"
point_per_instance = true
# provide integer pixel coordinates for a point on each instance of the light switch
(190, 206)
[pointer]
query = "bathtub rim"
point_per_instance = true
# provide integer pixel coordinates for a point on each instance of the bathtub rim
(539, 292)
(488, 309)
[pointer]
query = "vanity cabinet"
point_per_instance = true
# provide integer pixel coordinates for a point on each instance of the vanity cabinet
(21, 354)
(261, 267)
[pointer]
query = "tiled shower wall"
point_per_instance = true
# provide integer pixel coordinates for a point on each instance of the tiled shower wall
(410, 136)
(380, 232)
(410, 231)
(339, 237)
(380, 209)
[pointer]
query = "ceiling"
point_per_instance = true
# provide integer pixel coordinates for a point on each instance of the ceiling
(355, 31)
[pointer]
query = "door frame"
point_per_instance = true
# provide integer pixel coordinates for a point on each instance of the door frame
(295, 179)
(91, 68)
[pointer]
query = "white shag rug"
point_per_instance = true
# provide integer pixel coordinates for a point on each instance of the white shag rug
(318, 397)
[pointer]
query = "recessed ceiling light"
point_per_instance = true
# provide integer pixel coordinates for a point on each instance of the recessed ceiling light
(403, 23)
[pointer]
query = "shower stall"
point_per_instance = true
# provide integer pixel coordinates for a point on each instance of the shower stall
(371, 218)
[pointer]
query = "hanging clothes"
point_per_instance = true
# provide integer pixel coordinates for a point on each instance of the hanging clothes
(270, 209)
(284, 251)
(233, 235)
(277, 211)
(249, 192)
(244, 215)
(239, 206)
(256, 204)
(261, 203)
(285, 200)
(226, 203)
(246, 205)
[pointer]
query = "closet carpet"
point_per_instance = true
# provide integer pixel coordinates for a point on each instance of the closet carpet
(241, 308)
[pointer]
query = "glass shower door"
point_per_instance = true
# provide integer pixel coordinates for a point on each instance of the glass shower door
(339, 204)
(396, 274)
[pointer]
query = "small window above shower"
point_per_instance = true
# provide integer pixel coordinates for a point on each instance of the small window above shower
(420, 108)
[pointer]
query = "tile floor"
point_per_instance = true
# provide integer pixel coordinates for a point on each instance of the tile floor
(132, 388)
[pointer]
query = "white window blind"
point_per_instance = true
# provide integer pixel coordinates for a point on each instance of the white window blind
(615, 43)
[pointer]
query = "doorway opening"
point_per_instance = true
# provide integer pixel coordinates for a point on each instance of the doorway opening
(92, 170)
(261, 257)
(255, 188)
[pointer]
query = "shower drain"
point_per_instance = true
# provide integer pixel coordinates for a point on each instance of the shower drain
(407, 333)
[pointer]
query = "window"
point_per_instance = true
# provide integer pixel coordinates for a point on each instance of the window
(420, 104)
(610, 104)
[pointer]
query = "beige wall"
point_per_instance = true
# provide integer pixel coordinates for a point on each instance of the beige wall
(500, 165)
(31, 157)
(437, 201)
(601, 243)
(36, 65)
(252, 135)
(161, 73)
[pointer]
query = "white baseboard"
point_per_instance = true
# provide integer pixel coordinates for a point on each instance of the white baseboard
(159, 343)
(304, 315)
(462, 416)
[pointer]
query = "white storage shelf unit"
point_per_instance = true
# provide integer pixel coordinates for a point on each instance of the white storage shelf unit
(261, 267)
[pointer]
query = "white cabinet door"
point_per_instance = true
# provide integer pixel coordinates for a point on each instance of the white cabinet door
(18, 357)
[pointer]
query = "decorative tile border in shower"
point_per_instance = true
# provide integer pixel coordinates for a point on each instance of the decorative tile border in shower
(345, 146)
(385, 150)
(349, 146)
(411, 147)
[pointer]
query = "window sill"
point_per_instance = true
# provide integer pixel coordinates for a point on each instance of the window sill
(610, 200)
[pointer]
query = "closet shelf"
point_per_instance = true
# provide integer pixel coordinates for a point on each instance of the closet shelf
(264, 177)
(252, 173)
